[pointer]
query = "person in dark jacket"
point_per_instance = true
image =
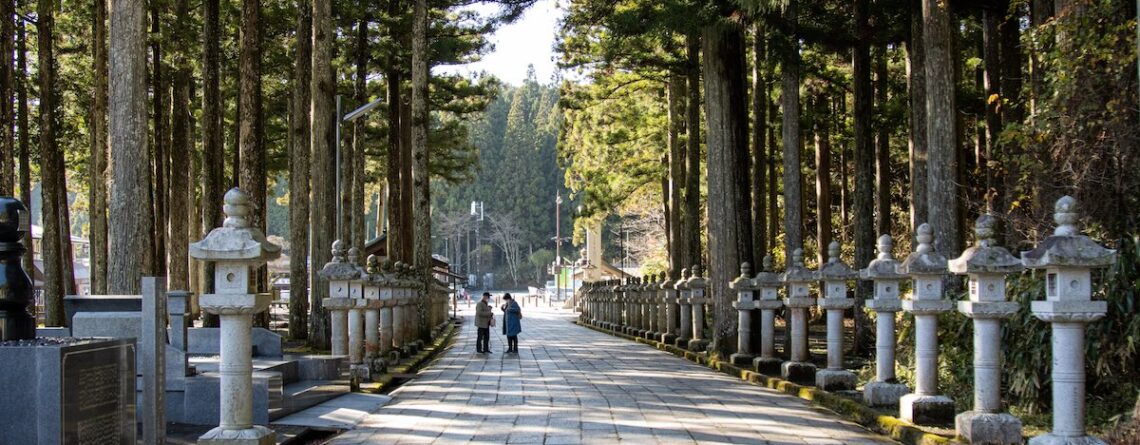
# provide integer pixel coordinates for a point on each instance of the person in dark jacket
(512, 323)
(484, 318)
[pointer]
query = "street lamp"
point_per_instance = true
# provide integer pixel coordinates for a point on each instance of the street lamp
(350, 117)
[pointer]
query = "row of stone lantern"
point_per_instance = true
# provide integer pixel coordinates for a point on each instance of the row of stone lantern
(1067, 256)
(373, 310)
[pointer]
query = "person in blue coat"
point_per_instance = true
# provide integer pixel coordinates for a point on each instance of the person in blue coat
(512, 323)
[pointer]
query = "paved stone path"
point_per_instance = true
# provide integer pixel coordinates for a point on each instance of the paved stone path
(572, 385)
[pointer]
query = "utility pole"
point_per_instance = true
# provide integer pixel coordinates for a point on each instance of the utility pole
(558, 243)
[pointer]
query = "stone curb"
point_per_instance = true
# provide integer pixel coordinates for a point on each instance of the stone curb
(889, 426)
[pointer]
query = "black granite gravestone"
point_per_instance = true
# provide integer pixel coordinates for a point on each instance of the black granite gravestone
(16, 322)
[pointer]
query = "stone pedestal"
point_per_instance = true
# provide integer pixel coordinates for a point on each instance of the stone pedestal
(768, 284)
(236, 249)
(670, 310)
(338, 323)
(927, 268)
(834, 275)
(697, 301)
(987, 265)
(798, 278)
(745, 291)
(1068, 258)
(885, 390)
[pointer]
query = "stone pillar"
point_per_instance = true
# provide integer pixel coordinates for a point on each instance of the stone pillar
(358, 370)
(987, 265)
(669, 310)
(662, 306)
(649, 295)
(372, 282)
(686, 328)
(798, 279)
(1068, 258)
(338, 272)
(768, 284)
(834, 300)
(236, 249)
(883, 271)
(744, 287)
(697, 300)
(927, 268)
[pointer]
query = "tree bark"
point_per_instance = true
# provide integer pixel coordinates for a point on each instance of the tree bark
(98, 161)
(864, 140)
(421, 177)
(1013, 111)
(180, 156)
(252, 176)
(407, 194)
(130, 160)
(882, 148)
(991, 42)
(395, 182)
(299, 175)
(773, 156)
(7, 71)
(729, 205)
(161, 149)
(822, 176)
(213, 151)
(323, 210)
(759, 161)
(692, 213)
(940, 127)
(679, 238)
(53, 186)
(24, 140)
(356, 206)
(916, 88)
(790, 101)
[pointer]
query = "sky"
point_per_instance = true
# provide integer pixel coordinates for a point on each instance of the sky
(528, 41)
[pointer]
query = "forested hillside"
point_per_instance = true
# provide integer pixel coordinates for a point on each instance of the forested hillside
(517, 180)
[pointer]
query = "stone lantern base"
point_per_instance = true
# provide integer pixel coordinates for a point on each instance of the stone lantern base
(681, 342)
(696, 345)
(883, 393)
(835, 380)
(739, 359)
(926, 409)
(1053, 439)
(989, 428)
(767, 365)
(254, 435)
(802, 373)
(668, 338)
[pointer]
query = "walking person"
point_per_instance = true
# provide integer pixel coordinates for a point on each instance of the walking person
(512, 323)
(484, 319)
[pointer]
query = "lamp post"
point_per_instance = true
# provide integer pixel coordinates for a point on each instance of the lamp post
(350, 117)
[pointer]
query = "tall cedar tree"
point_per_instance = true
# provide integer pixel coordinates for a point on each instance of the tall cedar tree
(942, 190)
(213, 153)
(323, 169)
(299, 153)
(98, 161)
(180, 153)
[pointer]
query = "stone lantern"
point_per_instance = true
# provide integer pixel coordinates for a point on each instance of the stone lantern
(16, 294)
(669, 310)
(834, 300)
(652, 309)
(372, 282)
(745, 290)
(769, 284)
(1068, 258)
(798, 279)
(236, 249)
(685, 330)
(698, 301)
(987, 265)
(927, 268)
(386, 296)
(338, 272)
(883, 271)
(356, 318)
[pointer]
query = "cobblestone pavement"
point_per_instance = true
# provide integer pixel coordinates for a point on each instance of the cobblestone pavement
(570, 385)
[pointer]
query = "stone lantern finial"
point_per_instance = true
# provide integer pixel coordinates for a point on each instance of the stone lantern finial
(833, 252)
(236, 209)
(925, 237)
(338, 252)
(373, 264)
(685, 273)
(767, 262)
(745, 269)
(696, 271)
(353, 256)
(885, 245)
(984, 230)
(1065, 215)
(798, 257)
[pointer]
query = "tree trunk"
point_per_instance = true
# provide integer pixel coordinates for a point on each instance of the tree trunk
(323, 210)
(882, 148)
(213, 151)
(679, 245)
(252, 175)
(7, 71)
(406, 253)
(1013, 111)
(864, 158)
(790, 101)
(24, 140)
(940, 112)
(53, 186)
(161, 149)
(840, 109)
(420, 175)
(759, 163)
(729, 205)
(773, 154)
(67, 254)
(180, 156)
(692, 213)
(299, 151)
(130, 160)
(98, 161)
(916, 88)
(395, 182)
(356, 207)
(822, 176)
(991, 18)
